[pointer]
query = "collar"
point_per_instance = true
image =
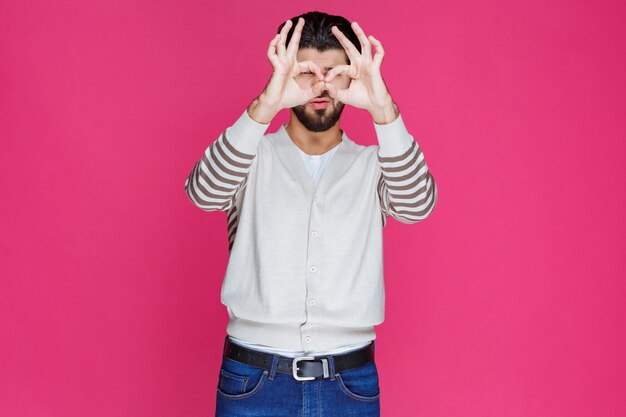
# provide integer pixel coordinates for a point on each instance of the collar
(289, 154)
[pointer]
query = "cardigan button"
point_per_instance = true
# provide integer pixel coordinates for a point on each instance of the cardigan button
(313, 268)
(307, 339)
(316, 199)
(314, 233)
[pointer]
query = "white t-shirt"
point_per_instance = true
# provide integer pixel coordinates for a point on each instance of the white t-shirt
(317, 163)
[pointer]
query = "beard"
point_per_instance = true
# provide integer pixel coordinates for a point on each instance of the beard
(319, 120)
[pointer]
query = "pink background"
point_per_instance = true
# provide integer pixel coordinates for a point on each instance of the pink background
(508, 301)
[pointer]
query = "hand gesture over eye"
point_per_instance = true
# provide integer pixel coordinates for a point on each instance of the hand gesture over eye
(367, 89)
(283, 91)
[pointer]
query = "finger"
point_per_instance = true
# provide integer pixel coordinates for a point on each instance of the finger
(350, 49)
(380, 52)
(283, 37)
(314, 91)
(317, 89)
(332, 90)
(339, 69)
(304, 66)
(294, 42)
(341, 95)
(366, 46)
(271, 50)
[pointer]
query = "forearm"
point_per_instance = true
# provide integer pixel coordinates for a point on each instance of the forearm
(217, 177)
(406, 188)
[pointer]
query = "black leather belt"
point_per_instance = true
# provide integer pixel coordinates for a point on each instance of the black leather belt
(303, 368)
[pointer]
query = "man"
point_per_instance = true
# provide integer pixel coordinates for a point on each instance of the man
(306, 207)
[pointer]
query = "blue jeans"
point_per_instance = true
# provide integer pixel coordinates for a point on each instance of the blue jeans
(247, 391)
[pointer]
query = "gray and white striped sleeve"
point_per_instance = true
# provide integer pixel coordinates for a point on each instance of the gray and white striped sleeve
(406, 189)
(216, 178)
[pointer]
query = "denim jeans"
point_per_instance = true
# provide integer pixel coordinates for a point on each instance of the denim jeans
(247, 391)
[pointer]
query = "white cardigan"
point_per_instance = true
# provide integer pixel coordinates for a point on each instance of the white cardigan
(316, 165)
(305, 271)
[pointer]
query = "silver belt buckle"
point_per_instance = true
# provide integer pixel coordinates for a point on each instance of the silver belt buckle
(308, 378)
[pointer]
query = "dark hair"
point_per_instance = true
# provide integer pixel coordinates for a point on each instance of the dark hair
(317, 33)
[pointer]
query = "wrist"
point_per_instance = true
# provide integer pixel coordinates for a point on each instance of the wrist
(260, 111)
(385, 114)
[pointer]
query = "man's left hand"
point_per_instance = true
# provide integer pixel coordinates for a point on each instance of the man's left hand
(367, 89)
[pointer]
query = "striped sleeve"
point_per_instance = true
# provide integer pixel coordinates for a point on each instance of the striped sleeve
(217, 177)
(406, 189)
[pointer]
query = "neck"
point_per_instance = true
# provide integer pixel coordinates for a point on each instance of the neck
(313, 143)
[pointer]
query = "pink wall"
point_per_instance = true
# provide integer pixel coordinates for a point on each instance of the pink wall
(509, 300)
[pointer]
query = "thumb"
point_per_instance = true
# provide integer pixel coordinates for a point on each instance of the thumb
(335, 93)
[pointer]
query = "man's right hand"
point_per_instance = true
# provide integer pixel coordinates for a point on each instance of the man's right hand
(283, 91)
